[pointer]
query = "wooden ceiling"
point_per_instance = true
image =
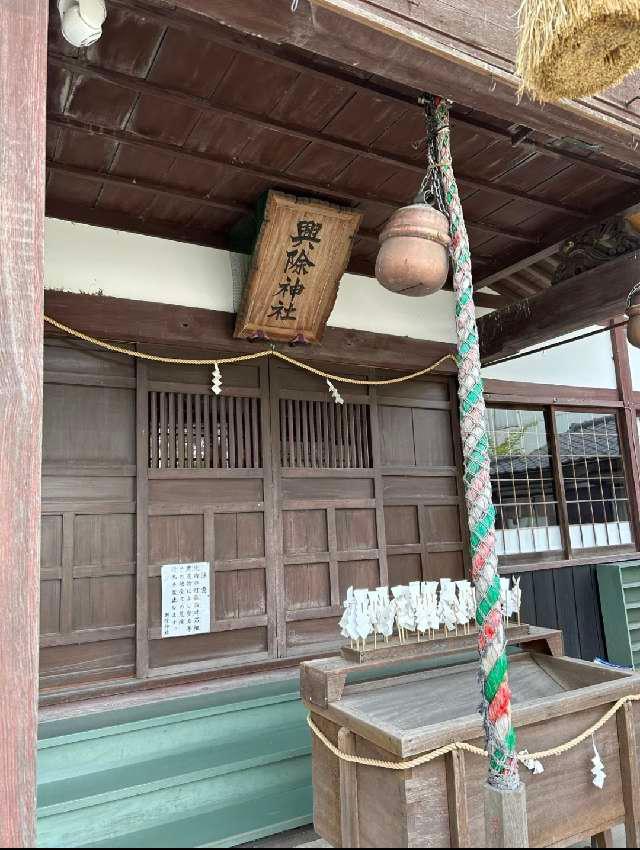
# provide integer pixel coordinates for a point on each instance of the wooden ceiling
(176, 128)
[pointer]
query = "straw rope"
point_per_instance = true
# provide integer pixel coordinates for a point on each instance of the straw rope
(461, 746)
(573, 48)
(241, 358)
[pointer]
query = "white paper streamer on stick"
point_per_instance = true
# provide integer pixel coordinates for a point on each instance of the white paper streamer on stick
(334, 392)
(216, 380)
(597, 770)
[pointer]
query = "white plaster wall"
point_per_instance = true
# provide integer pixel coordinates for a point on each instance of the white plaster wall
(82, 258)
(634, 362)
(587, 363)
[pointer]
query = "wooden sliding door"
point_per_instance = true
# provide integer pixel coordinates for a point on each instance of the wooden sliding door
(204, 494)
(290, 497)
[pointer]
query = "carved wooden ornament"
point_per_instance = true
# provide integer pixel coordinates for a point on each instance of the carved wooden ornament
(301, 253)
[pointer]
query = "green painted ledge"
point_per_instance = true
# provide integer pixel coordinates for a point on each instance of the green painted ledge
(212, 770)
(198, 771)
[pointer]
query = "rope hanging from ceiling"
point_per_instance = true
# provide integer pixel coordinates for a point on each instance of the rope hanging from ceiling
(496, 695)
(576, 48)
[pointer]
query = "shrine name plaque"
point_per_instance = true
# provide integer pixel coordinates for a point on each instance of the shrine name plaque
(301, 253)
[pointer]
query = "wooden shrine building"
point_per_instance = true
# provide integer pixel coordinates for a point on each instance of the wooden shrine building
(130, 173)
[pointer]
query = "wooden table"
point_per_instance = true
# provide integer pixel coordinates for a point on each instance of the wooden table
(440, 804)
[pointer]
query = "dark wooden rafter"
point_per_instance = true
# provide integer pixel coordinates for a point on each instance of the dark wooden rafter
(143, 86)
(589, 298)
(544, 257)
(342, 145)
(185, 21)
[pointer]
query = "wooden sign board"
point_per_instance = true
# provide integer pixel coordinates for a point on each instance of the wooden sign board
(302, 251)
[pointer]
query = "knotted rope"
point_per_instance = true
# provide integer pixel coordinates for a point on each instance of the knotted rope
(496, 695)
(462, 746)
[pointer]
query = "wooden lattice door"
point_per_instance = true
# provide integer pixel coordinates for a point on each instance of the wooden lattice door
(204, 476)
(366, 493)
(290, 497)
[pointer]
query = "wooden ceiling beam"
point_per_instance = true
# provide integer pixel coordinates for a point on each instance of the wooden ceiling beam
(207, 238)
(532, 286)
(592, 297)
(183, 19)
(544, 254)
(276, 177)
(101, 177)
(535, 277)
(396, 161)
(196, 328)
(142, 87)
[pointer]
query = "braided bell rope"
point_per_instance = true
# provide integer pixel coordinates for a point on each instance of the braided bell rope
(242, 358)
(462, 746)
(493, 675)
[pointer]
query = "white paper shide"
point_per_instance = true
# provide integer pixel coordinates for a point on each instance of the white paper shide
(186, 599)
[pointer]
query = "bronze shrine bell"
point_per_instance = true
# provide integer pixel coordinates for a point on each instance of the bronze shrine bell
(414, 251)
(633, 311)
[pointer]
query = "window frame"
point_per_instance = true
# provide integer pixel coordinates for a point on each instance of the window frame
(546, 560)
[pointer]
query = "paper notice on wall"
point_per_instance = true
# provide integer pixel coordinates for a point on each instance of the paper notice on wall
(186, 599)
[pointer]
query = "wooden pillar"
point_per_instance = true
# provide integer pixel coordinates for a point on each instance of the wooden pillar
(629, 439)
(505, 817)
(23, 40)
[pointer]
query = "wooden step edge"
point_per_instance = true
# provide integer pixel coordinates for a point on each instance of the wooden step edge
(300, 796)
(280, 737)
(156, 722)
(172, 781)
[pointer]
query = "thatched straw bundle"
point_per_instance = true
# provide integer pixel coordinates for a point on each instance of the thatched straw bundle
(574, 48)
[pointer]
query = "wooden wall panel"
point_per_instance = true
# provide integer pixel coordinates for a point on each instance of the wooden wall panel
(79, 664)
(50, 596)
(88, 425)
(359, 574)
(51, 542)
(289, 511)
(405, 568)
(424, 514)
(401, 524)
(103, 602)
(566, 598)
(176, 539)
(307, 586)
(198, 651)
(356, 529)
(305, 532)
(88, 544)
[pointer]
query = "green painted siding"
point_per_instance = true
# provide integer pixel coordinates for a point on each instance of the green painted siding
(203, 771)
(619, 586)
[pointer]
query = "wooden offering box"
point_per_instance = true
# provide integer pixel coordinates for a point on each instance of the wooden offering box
(441, 803)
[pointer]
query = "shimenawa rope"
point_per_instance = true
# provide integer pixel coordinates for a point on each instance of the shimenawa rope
(462, 746)
(241, 358)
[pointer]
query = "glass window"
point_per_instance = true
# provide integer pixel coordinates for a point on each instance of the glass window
(522, 480)
(593, 479)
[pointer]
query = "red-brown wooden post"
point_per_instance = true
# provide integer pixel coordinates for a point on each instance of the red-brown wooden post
(23, 42)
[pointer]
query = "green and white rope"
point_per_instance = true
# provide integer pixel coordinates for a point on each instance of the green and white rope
(496, 695)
